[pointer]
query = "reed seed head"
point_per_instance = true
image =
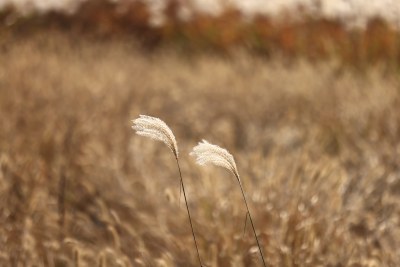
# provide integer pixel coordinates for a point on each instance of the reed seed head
(207, 153)
(156, 129)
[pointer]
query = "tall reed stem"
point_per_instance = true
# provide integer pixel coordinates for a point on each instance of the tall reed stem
(251, 220)
(188, 212)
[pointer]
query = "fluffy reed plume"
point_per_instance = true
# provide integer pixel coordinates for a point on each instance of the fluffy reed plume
(157, 129)
(206, 153)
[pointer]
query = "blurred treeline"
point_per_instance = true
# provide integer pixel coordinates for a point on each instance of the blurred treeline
(291, 36)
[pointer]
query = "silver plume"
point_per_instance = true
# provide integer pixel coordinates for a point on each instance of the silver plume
(155, 129)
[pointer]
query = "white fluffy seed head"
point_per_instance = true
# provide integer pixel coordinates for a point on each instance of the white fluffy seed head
(206, 153)
(155, 129)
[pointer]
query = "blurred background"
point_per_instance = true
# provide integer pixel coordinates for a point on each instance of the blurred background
(304, 93)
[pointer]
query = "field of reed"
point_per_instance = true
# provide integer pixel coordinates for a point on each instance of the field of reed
(316, 145)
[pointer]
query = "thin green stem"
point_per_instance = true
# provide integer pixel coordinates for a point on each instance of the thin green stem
(251, 220)
(188, 212)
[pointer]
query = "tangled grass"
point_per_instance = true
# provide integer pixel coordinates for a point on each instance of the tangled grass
(317, 147)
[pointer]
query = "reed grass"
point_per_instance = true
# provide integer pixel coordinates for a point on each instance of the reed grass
(207, 153)
(317, 145)
(156, 129)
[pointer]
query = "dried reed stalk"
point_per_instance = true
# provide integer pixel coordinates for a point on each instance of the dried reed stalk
(206, 153)
(158, 130)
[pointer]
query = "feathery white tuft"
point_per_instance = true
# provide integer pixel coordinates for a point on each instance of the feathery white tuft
(155, 129)
(207, 153)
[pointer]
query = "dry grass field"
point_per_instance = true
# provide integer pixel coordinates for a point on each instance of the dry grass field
(317, 146)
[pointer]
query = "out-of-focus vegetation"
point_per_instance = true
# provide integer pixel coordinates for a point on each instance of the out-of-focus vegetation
(293, 34)
(317, 146)
(317, 149)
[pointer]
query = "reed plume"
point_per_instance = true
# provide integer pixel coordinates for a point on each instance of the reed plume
(158, 130)
(207, 153)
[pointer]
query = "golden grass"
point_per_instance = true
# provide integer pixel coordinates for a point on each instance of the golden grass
(317, 147)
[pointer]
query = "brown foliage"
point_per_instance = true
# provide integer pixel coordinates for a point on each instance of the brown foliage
(309, 37)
